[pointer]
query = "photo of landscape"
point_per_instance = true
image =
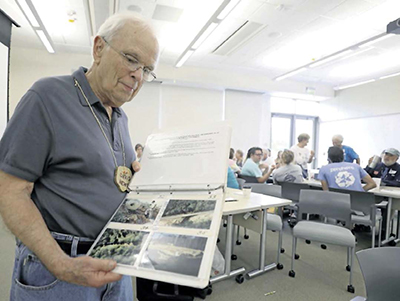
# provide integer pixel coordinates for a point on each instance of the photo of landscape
(123, 246)
(138, 211)
(191, 214)
(175, 253)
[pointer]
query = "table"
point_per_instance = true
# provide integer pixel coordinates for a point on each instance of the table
(254, 202)
(393, 195)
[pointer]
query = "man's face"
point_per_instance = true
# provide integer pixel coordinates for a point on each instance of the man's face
(336, 142)
(264, 155)
(139, 151)
(257, 156)
(117, 83)
(304, 142)
(389, 159)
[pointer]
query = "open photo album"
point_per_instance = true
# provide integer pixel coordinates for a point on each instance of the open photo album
(167, 226)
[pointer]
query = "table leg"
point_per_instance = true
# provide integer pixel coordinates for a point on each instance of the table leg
(262, 268)
(388, 216)
(228, 252)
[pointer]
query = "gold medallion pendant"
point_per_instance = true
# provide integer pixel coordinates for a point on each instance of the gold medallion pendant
(122, 177)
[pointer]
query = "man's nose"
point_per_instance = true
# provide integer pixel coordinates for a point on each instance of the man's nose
(137, 74)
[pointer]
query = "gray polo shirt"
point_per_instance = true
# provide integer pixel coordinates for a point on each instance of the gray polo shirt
(54, 141)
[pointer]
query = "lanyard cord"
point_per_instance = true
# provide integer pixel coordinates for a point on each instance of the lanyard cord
(101, 127)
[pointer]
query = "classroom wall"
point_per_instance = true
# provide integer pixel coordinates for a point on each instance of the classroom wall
(367, 116)
(157, 105)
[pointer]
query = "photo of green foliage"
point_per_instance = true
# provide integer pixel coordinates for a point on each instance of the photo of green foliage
(136, 211)
(191, 214)
(123, 246)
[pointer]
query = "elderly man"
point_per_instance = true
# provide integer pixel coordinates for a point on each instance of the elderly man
(251, 166)
(349, 154)
(391, 169)
(60, 157)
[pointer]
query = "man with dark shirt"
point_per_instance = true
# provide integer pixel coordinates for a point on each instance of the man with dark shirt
(391, 170)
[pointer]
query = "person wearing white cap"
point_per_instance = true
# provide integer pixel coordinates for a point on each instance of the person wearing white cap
(391, 173)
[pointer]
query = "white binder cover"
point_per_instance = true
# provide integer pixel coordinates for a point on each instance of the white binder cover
(164, 235)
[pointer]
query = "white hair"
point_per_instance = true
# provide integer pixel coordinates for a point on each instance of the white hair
(109, 29)
(338, 137)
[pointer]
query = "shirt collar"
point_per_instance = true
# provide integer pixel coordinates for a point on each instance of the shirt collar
(80, 76)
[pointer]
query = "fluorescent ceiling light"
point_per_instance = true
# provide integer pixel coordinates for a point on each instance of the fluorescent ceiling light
(204, 35)
(231, 5)
(45, 41)
(184, 58)
(330, 58)
(376, 40)
(354, 85)
(390, 75)
(290, 73)
(28, 13)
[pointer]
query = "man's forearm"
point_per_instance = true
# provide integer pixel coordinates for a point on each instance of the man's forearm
(25, 221)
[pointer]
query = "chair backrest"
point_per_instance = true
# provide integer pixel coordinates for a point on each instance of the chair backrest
(326, 203)
(292, 190)
(267, 189)
(240, 182)
(248, 179)
(380, 268)
(360, 201)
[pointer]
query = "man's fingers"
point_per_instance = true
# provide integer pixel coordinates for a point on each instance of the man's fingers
(103, 264)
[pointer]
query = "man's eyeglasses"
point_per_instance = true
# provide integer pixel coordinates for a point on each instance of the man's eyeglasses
(134, 65)
(258, 154)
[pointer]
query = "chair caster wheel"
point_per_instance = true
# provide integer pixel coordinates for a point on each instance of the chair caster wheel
(282, 250)
(308, 241)
(218, 240)
(233, 257)
(296, 256)
(292, 273)
(225, 225)
(246, 237)
(209, 291)
(279, 266)
(350, 289)
(238, 243)
(392, 243)
(348, 269)
(239, 279)
(323, 247)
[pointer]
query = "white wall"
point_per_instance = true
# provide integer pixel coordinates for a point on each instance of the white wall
(159, 105)
(368, 117)
(250, 117)
(3, 86)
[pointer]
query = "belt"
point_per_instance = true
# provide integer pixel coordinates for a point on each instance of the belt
(72, 245)
(82, 248)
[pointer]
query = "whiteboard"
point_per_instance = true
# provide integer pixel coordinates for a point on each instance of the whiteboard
(367, 136)
(3, 87)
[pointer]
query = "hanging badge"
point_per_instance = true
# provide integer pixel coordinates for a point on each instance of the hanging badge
(122, 177)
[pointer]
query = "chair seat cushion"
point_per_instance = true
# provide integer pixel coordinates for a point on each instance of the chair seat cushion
(274, 222)
(325, 233)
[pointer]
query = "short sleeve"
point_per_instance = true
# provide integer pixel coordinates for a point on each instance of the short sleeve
(25, 148)
(354, 155)
(321, 174)
(257, 171)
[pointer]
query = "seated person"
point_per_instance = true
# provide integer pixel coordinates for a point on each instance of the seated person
(250, 167)
(391, 170)
(343, 175)
(232, 182)
(375, 172)
(288, 172)
(231, 162)
(239, 158)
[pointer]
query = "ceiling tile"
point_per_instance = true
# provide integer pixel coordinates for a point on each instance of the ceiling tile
(349, 9)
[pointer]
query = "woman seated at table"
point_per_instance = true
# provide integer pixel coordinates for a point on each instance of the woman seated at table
(343, 175)
(287, 171)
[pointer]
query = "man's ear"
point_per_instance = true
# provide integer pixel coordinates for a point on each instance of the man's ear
(98, 47)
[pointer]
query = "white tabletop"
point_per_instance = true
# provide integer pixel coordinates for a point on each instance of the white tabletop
(254, 202)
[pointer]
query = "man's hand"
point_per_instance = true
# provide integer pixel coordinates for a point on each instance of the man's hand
(86, 271)
(272, 167)
(136, 166)
(312, 153)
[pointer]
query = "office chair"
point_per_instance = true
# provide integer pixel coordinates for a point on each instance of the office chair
(330, 205)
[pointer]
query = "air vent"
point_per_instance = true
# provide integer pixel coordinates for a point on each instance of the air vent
(240, 36)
